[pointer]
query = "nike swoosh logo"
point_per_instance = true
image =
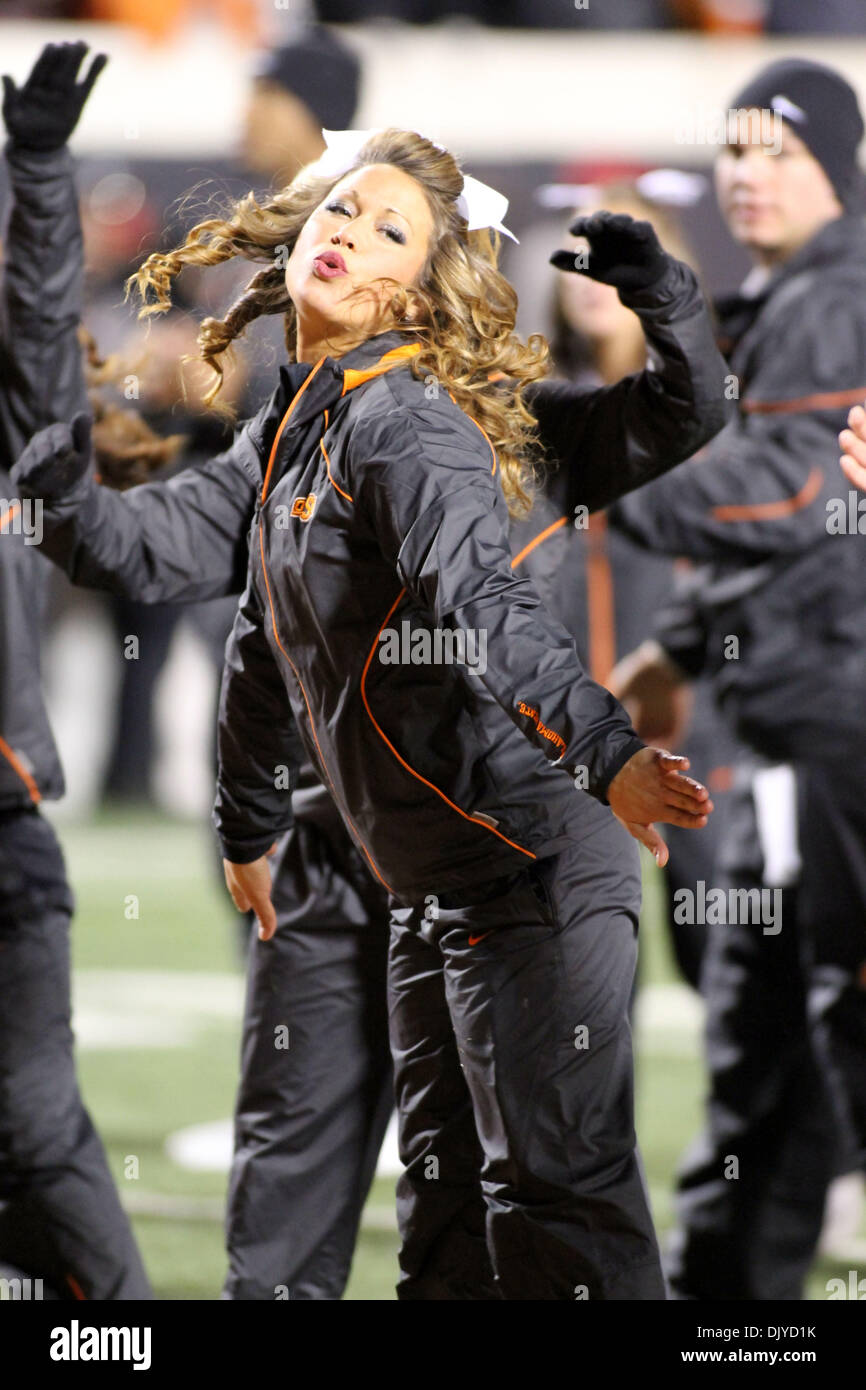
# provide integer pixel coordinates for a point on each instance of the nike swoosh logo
(474, 940)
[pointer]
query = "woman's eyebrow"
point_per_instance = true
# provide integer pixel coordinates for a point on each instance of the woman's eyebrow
(350, 192)
(399, 214)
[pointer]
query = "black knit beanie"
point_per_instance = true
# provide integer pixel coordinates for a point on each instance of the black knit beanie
(321, 70)
(819, 106)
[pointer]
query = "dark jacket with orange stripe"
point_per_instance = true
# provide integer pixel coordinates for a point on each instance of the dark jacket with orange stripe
(766, 514)
(383, 525)
(41, 380)
(187, 539)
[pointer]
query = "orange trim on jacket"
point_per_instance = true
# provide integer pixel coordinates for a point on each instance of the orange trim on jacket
(282, 426)
(367, 854)
(774, 511)
(35, 794)
(821, 400)
(537, 540)
(601, 609)
(394, 358)
(402, 761)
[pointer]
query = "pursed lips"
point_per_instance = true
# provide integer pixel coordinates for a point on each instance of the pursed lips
(328, 265)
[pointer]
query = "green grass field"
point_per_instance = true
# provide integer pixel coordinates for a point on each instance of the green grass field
(157, 1014)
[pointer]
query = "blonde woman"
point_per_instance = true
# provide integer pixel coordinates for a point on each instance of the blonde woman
(386, 463)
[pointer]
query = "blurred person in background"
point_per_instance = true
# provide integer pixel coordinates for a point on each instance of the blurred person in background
(774, 611)
(309, 82)
(606, 589)
(60, 1215)
(310, 1119)
(508, 14)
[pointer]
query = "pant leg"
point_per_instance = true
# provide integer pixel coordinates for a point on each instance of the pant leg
(832, 821)
(712, 753)
(440, 1207)
(750, 1192)
(60, 1215)
(540, 1012)
(311, 1115)
(536, 982)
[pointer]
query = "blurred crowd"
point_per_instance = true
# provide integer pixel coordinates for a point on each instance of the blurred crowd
(160, 18)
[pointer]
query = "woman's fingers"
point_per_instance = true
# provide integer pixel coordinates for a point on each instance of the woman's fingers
(649, 836)
(250, 887)
(687, 819)
(852, 442)
(267, 919)
(672, 762)
(685, 800)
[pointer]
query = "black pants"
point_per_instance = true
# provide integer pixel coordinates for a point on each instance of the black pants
(751, 1191)
(316, 1089)
(832, 831)
(514, 1079)
(60, 1215)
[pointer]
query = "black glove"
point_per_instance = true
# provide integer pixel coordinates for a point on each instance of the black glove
(55, 460)
(43, 113)
(622, 252)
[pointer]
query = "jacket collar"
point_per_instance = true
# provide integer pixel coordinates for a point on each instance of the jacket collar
(309, 391)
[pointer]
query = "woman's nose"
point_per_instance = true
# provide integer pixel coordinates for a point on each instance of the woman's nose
(338, 239)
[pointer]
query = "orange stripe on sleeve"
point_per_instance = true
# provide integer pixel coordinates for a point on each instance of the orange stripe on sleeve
(35, 794)
(774, 511)
(538, 540)
(822, 400)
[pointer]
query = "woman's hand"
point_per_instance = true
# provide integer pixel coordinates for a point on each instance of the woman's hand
(56, 460)
(42, 114)
(622, 252)
(853, 444)
(650, 787)
(250, 887)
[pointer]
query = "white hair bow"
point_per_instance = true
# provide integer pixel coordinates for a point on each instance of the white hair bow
(480, 204)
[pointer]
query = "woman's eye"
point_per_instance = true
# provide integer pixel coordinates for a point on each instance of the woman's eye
(338, 207)
(395, 234)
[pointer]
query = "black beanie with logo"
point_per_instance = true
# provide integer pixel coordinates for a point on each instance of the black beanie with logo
(821, 107)
(321, 70)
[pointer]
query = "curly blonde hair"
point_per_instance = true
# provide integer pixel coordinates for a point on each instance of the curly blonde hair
(463, 309)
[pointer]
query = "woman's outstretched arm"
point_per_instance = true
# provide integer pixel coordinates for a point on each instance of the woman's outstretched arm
(602, 443)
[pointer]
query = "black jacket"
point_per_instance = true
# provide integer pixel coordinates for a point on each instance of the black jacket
(41, 380)
(775, 607)
(187, 540)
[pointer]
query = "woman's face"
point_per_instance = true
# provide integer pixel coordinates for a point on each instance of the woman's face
(375, 222)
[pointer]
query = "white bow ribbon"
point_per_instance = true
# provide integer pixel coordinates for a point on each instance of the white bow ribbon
(480, 204)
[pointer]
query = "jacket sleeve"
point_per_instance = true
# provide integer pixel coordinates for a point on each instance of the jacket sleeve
(439, 516)
(766, 486)
(260, 752)
(180, 541)
(41, 296)
(602, 443)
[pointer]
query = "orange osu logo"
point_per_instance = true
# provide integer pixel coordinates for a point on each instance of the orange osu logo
(304, 506)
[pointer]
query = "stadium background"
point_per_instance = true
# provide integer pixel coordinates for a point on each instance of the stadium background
(158, 976)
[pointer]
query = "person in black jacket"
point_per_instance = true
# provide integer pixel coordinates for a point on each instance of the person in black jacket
(310, 1117)
(60, 1216)
(775, 613)
(381, 526)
